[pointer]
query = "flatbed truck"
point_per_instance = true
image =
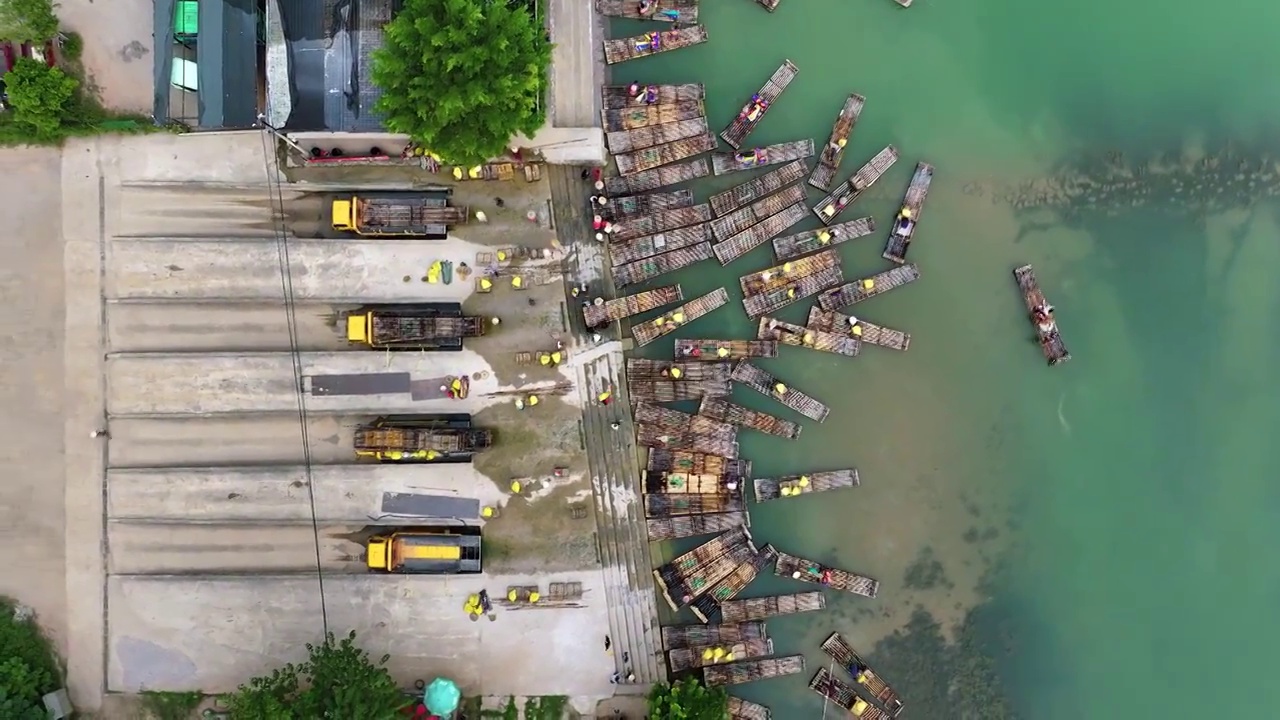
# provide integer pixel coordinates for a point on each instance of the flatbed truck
(425, 326)
(438, 438)
(408, 214)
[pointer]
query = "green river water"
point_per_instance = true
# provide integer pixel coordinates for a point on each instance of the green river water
(1078, 541)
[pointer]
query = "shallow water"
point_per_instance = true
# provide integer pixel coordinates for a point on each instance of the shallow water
(1050, 541)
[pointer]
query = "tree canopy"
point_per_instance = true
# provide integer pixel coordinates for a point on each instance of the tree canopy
(688, 699)
(27, 20)
(461, 77)
(43, 99)
(338, 680)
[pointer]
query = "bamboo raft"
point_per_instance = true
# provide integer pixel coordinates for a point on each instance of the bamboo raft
(600, 314)
(643, 116)
(665, 154)
(723, 350)
(720, 409)
(650, 245)
(666, 506)
(803, 570)
(684, 526)
(668, 483)
(651, 267)
(840, 651)
(833, 152)
(673, 430)
(735, 222)
(771, 5)
(670, 391)
(619, 96)
(693, 658)
(669, 322)
(688, 563)
(758, 234)
(802, 337)
(663, 460)
(770, 302)
(687, 589)
(826, 685)
(771, 488)
(908, 217)
(656, 178)
(1050, 339)
(748, 192)
(794, 246)
(682, 422)
(756, 158)
(629, 206)
(752, 670)
(740, 709)
(830, 207)
(679, 637)
(868, 333)
(707, 605)
(645, 369)
(757, 609)
(765, 384)
(782, 276)
(686, 11)
(751, 114)
(624, 141)
(660, 222)
(624, 49)
(859, 290)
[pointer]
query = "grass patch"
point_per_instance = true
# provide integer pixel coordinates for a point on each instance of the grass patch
(546, 707)
(171, 705)
(28, 666)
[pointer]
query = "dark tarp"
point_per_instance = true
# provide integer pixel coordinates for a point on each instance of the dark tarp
(227, 55)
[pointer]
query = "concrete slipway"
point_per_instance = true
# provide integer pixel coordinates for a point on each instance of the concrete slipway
(211, 633)
(276, 439)
(185, 384)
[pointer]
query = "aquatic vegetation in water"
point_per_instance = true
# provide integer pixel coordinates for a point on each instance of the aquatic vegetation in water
(925, 573)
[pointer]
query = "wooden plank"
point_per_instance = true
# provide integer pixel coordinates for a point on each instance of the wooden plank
(599, 314)
(660, 221)
(653, 43)
(765, 384)
(868, 333)
(904, 224)
(631, 118)
(748, 192)
(758, 105)
(669, 322)
(652, 157)
(651, 267)
(1047, 334)
(789, 486)
(753, 237)
(622, 96)
(802, 337)
(760, 157)
(833, 152)
(859, 290)
(801, 244)
(644, 137)
(658, 177)
(830, 207)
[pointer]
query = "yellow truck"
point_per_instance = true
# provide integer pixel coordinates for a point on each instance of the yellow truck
(425, 551)
(442, 438)
(408, 214)
(421, 326)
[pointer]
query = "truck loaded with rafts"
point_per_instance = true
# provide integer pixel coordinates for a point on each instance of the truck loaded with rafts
(445, 438)
(421, 326)
(407, 214)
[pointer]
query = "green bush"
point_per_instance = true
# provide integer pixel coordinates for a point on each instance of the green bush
(688, 699)
(72, 46)
(28, 669)
(42, 99)
(28, 20)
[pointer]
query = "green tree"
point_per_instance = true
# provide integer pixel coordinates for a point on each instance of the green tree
(27, 20)
(688, 699)
(338, 680)
(42, 98)
(461, 77)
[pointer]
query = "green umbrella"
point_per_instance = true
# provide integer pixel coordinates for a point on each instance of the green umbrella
(442, 697)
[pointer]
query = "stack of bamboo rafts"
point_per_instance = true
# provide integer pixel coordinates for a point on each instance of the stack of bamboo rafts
(600, 312)
(770, 386)
(752, 670)
(798, 568)
(707, 605)
(795, 485)
(757, 609)
(772, 289)
(796, 336)
(671, 473)
(866, 678)
(718, 408)
(688, 576)
(672, 11)
(866, 332)
(659, 427)
(652, 43)
(650, 330)
(616, 209)
(660, 381)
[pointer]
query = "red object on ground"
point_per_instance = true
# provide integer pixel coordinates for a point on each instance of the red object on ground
(10, 57)
(596, 174)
